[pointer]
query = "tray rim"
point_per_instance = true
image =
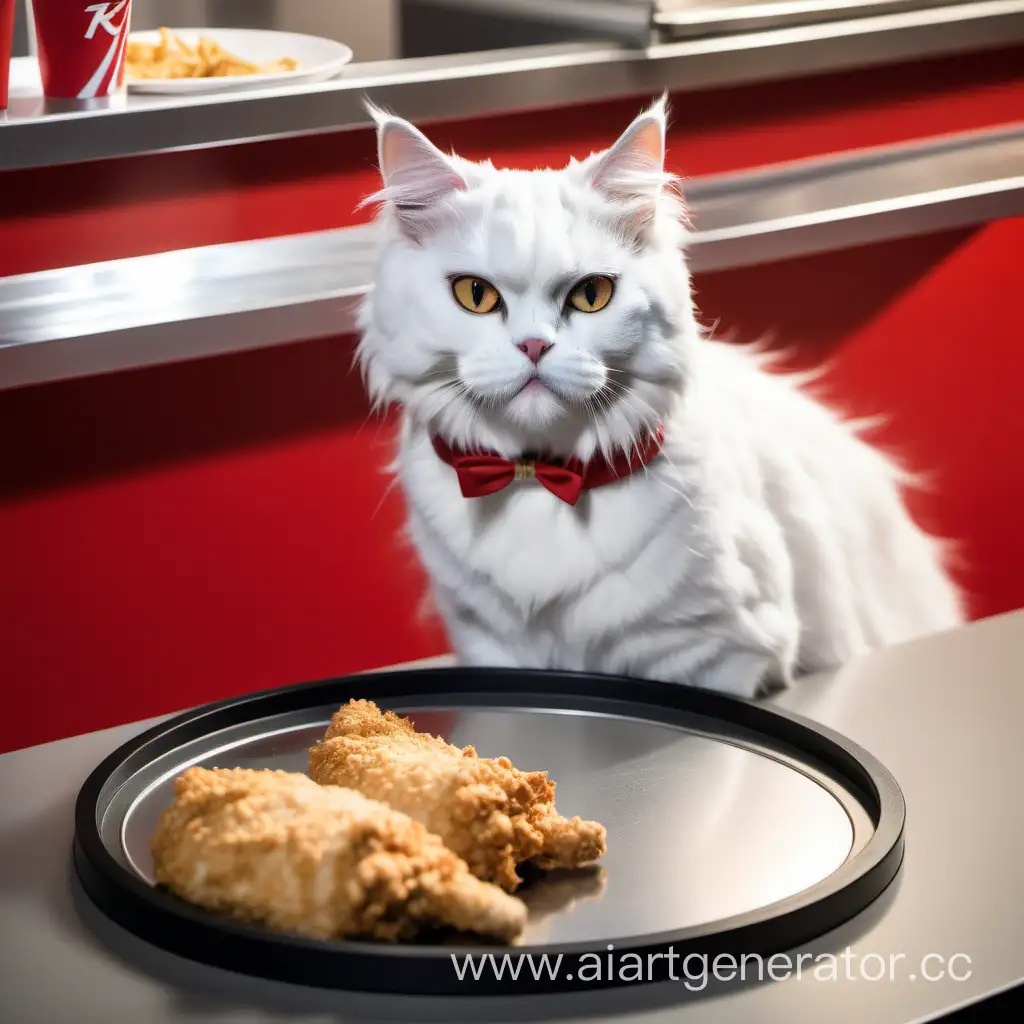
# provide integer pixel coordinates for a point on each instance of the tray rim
(177, 926)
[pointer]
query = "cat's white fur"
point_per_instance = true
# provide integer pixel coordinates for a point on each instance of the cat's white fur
(768, 540)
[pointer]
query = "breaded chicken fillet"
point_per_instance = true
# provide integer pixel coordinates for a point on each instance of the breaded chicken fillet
(489, 812)
(275, 848)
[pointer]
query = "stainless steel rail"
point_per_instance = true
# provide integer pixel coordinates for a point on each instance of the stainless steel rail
(531, 78)
(227, 298)
(625, 21)
(679, 18)
(641, 22)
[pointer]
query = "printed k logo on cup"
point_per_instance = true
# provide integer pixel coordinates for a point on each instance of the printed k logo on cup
(103, 15)
(81, 46)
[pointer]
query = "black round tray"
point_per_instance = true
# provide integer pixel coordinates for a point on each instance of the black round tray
(733, 829)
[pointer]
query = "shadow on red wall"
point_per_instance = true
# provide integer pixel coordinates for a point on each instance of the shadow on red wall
(185, 533)
(99, 428)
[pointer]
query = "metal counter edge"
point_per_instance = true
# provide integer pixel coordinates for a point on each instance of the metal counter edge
(503, 81)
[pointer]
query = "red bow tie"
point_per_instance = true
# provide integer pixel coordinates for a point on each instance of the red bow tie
(483, 473)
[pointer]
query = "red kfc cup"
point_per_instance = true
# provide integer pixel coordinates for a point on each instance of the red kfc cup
(6, 46)
(80, 44)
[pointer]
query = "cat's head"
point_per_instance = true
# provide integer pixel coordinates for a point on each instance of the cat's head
(529, 310)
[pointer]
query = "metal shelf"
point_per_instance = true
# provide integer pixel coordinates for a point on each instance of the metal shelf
(685, 18)
(189, 303)
(468, 85)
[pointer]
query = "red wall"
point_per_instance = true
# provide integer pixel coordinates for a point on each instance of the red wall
(183, 533)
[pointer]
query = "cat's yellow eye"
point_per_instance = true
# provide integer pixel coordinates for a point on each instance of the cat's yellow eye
(592, 294)
(476, 294)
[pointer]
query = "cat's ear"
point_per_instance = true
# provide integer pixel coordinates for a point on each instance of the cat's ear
(631, 174)
(417, 176)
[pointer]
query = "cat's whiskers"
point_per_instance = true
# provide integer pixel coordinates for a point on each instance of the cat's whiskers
(660, 380)
(392, 484)
(448, 373)
(634, 403)
(660, 479)
(615, 394)
(603, 400)
(450, 403)
(471, 414)
(445, 395)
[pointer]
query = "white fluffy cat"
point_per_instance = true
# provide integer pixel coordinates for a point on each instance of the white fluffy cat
(549, 312)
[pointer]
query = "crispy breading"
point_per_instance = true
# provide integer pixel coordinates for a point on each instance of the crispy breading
(326, 862)
(485, 809)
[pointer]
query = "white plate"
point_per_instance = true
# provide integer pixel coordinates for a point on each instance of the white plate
(321, 59)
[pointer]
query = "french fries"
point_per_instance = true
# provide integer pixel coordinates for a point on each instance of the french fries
(172, 57)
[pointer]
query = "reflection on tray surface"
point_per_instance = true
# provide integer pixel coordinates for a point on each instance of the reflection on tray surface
(700, 827)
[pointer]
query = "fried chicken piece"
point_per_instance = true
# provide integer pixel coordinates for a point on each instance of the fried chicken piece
(488, 811)
(325, 862)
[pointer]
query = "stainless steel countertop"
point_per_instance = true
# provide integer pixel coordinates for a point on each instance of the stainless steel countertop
(943, 714)
(197, 302)
(466, 85)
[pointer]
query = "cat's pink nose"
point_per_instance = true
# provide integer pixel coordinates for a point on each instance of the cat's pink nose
(534, 348)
